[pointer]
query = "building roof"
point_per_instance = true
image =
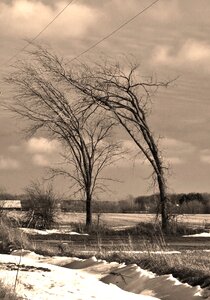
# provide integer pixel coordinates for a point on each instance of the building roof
(10, 204)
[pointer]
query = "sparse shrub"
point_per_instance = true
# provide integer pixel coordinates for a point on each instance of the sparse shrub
(42, 205)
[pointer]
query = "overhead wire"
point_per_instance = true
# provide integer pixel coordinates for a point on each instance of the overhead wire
(114, 31)
(38, 34)
(92, 46)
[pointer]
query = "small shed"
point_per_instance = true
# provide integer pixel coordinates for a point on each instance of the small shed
(10, 204)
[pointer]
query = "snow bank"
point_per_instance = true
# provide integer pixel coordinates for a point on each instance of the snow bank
(40, 281)
(130, 278)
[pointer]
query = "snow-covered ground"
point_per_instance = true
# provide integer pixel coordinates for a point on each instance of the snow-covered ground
(42, 278)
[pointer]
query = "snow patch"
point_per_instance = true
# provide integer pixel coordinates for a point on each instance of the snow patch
(141, 252)
(203, 234)
(50, 231)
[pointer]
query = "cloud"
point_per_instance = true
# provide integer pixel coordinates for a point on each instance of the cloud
(14, 148)
(190, 53)
(129, 145)
(175, 160)
(7, 163)
(42, 145)
(172, 150)
(24, 18)
(132, 157)
(174, 146)
(44, 151)
(205, 159)
(205, 156)
(176, 152)
(196, 51)
(165, 11)
(40, 160)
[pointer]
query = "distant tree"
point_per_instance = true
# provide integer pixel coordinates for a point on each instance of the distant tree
(48, 103)
(186, 198)
(147, 203)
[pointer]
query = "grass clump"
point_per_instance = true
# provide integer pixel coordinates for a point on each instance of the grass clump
(192, 267)
(10, 236)
(188, 268)
(7, 294)
(145, 229)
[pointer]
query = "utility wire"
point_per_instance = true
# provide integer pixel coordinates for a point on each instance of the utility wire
(114, 31)
(38, 35)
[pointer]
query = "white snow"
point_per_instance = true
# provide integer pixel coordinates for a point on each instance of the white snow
(42, 278)
(203, 234)
(50, 231)
(141, 252)
(54, 282)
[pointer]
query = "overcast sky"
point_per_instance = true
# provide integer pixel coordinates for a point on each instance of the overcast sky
(171, 39)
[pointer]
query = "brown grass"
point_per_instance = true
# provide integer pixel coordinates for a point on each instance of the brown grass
(192, 267)
(7, 294)
(11, 237)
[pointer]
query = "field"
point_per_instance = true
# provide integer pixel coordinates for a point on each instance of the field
(124, 219)
(113, 231)
(130, 239)
(121, 220)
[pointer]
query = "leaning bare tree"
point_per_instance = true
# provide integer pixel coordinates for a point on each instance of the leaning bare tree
(119, 90)
(47, 103)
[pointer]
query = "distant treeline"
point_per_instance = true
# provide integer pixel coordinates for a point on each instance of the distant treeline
(8, 196)
(192, 203)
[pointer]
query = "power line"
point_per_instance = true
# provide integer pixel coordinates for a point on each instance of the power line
(115, 30)
(38, 35)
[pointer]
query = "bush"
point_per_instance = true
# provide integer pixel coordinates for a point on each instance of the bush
(42, 207)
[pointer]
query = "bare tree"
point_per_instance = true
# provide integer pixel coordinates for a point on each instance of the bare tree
(119, 90)
(90, 150)
(47, 103)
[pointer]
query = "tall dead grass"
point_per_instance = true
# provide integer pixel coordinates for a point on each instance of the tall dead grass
(11, 236)
(7, 294)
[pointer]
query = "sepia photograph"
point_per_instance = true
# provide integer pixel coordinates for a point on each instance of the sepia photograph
(104, 149)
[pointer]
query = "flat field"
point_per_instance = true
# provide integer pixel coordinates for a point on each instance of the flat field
(129, 220)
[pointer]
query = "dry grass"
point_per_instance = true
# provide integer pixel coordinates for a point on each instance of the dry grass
(93, 229)
(7, 294)
(11, 237)
(192, 267)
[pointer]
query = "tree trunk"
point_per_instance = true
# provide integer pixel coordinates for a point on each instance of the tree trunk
(163, 203)
(88, 210)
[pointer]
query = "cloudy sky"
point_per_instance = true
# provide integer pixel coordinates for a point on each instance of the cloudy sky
(169, 40)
